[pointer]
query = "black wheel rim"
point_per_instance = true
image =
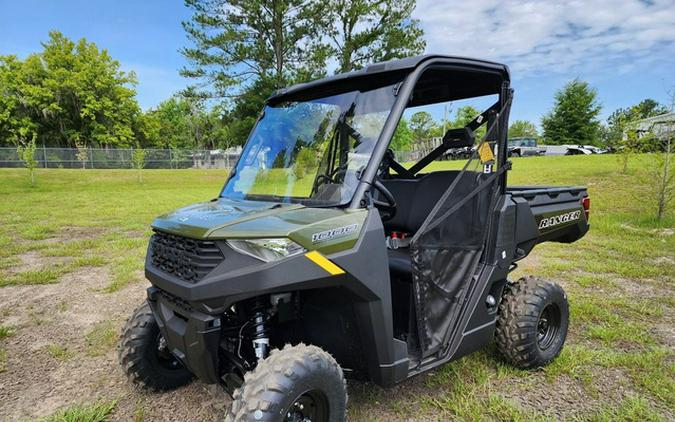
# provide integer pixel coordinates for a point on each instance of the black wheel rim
(164, 357)
(310, 406)
(548, 326)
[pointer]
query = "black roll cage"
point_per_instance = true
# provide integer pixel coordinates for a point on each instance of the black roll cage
(404, 96)
(409, 72)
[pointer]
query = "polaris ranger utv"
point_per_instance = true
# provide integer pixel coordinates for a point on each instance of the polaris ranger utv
(324, 258)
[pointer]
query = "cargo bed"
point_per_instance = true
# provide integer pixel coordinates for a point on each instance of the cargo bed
(548, 213)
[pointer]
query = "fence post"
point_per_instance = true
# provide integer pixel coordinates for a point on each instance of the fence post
(91, 156)
(170, 159)
(44, 156)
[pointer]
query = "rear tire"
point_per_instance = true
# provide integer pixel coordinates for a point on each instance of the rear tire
(532, 323)
(297, 383)
(143, 358)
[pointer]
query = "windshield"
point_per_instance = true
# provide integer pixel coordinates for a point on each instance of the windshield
(311, 152)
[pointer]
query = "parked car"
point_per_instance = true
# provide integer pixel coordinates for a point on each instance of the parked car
(584, 150)
(523, 147)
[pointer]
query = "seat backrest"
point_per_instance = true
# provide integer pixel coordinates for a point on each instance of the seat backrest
(415, 198)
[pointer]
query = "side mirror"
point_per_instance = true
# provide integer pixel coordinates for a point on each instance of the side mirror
(459, 138)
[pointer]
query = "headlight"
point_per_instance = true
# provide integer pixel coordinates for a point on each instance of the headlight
(267, 249)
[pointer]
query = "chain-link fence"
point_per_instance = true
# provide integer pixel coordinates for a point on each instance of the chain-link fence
(112, 158)
(115, 158)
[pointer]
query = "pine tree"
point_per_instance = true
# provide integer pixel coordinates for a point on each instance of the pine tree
(370, 31)
(574, 118)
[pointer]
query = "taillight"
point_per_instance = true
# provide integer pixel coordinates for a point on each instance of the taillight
(586, 202)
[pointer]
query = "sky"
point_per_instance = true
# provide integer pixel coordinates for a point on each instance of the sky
(623, 48)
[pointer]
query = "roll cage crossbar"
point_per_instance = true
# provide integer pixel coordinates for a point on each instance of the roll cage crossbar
(486, 116)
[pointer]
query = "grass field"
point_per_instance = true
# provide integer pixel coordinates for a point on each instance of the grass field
(71, 257)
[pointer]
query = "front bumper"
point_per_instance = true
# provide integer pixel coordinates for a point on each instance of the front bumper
(191, 336)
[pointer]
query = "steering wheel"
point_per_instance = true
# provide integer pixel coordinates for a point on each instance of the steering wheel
(323, 179)
(388, 207)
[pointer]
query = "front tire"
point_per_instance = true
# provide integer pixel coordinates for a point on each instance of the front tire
(532, 324)
(298, 383)
(144, 356)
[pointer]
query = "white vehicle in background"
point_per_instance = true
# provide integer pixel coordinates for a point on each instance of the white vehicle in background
(523, 147)
(584, 150)
(573, 150)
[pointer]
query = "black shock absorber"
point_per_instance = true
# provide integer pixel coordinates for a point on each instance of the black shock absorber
(259, 327)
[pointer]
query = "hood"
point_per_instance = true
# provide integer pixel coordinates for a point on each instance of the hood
(201, 220)
(325, 229)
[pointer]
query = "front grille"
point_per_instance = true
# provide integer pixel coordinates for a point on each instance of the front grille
(188, 259)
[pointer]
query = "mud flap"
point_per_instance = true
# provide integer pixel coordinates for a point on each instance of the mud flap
(190, 335)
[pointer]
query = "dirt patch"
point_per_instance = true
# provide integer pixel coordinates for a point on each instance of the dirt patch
(635, 289)
(34, 261)
(564, 397)
(664, 232)
(36, 384)
(665, 333)
(80, 233)
(663, 260)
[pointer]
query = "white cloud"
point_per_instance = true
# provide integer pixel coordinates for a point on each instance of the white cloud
(553, 36)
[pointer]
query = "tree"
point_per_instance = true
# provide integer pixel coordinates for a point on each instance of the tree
(618, 121)
(421, 124)
(403, 137)
(523, 129)
(70, 91)
(661, 183)
(239, 42)
(367, 31)
(82, 153)
(138, 162)
(623, 134)
(182, 122)
(26, 152)
(648, 108)
(244, 50)
(573, 119)
(464, 115)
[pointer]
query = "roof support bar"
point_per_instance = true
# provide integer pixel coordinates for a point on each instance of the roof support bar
(447, 144)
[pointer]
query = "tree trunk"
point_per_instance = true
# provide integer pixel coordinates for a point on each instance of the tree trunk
(665, 188)
(277, 22)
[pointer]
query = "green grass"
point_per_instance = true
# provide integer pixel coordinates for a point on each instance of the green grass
(5, 331)
(59, 352)
(619, 280)
(101, 338)
(51, 273)
(630, 410)
(93, 412)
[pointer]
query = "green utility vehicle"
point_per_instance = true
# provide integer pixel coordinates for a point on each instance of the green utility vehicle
(323, 258)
